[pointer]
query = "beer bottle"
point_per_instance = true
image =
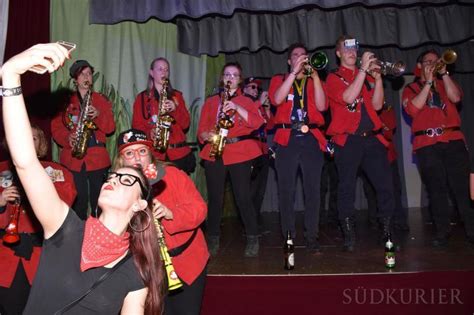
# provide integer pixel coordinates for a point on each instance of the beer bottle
(289, 251)
(389, 253)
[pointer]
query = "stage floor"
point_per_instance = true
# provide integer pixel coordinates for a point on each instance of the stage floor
(415, 253)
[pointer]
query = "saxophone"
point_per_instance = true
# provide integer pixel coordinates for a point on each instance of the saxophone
(173, 280)
(84, 127)
(163, 122)
(224, 123)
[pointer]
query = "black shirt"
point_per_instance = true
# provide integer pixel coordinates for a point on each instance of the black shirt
(59, 279)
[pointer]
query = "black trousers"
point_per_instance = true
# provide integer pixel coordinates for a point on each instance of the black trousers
(88, 186)
(371, 156)
(216, 173)
(329, 186)
(444, 167)
(186, 300)
(302, 152)
(258, 182)
(13, 300)
(400, 214)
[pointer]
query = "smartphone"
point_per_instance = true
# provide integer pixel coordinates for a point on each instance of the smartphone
(42, 69)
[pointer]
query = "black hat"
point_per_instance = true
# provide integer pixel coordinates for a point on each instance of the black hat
(76, 66)
(132, 136)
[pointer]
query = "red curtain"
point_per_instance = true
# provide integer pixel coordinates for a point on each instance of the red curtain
(28, 24)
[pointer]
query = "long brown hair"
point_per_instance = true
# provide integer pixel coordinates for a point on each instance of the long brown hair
(146, 252)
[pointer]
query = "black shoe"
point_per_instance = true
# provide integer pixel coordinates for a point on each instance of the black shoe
(347, 225)
(252, 248)
(312, 245)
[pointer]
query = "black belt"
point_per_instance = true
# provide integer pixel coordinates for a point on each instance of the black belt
(367, 133)
(178, 145)
(296, 126)
(180, 249)
(438, 131)
(246, 137)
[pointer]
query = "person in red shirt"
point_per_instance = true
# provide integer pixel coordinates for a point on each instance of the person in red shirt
(146, 113)
(299, 99)
(259, 177)
(354, 97)
(181, 210)
(88, 171)
(439, 143)
(240, 150)
(19, 260)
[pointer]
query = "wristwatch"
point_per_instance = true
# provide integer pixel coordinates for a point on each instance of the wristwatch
(6, 92)
(430, 83)
(444, 73)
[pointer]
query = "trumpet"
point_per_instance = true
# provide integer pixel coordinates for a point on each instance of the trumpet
(448, 57)
(173, 280)
(395, 69)
(317, 61)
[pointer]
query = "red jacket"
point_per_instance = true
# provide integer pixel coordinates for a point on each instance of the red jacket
(283, 113)
(343, 121)
(240, 151)
(427, 117)
(177, 192)
(96, 157)
(145, 109)
(389, 120)
(27, 223)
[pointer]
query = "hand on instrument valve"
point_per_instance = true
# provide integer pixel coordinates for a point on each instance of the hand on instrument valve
(230, 107)
(169, 106)
(9, 194)
(208, 136)
(51, 56)
(161, 211)
(72, 139)
(92, 113)
(300, 64)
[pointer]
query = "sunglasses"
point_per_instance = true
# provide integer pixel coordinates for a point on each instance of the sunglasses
(129, 154)
(253, 87)
(128, 180)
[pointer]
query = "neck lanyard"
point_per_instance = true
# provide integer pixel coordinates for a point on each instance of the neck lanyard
(300, 89)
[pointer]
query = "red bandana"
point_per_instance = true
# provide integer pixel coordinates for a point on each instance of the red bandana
(100, 246)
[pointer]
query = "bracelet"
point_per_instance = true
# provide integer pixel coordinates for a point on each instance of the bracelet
(444, 73)
(6, 92)
(430, 83)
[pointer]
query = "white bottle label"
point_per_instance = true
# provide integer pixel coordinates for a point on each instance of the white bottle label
(291, 260)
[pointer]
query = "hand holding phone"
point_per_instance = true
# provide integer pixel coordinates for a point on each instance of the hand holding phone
(42, 69)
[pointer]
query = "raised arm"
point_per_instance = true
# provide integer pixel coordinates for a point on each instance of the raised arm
(48, 207)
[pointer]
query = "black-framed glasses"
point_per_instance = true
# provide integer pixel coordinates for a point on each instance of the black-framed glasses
(253, 86)
(128, 180)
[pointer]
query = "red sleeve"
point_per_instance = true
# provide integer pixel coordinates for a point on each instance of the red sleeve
(275, 84)
(335, 88)
(181, 114)
(407, 97)
(105, 121)
(207, 121)
(255, 120)
(59, 131)
(66, 190)
(184, 200)
(138, 122)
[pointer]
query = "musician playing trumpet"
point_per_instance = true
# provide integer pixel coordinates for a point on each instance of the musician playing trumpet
(180, 208)
(439, 143)
(354, 97)
(241, 147)
(19, 260)
(158, 99)
(89, 170)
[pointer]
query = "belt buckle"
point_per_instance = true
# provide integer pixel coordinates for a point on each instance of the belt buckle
(430, 132)
(439, 131)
